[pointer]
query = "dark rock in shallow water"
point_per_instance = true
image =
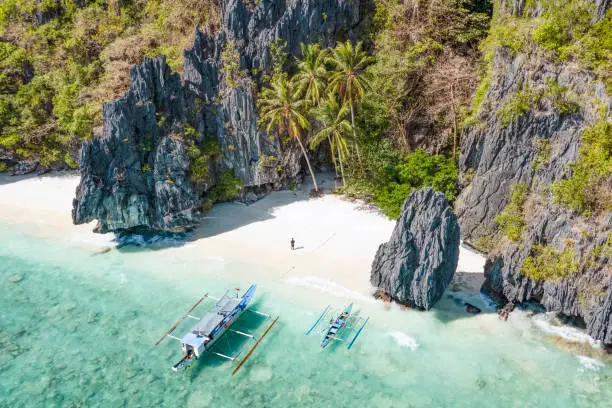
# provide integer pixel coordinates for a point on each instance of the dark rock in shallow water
(419, 261)
(470, 308)
(137, 173)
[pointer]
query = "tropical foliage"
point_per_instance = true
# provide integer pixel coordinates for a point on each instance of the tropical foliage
(284, 110)
(417, 170)
(61, 60)
(511, 220)
(587, 189)
(335, 129)
(545, 263)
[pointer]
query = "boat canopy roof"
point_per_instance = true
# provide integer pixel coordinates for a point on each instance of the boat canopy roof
(194, 340)
(200, 332)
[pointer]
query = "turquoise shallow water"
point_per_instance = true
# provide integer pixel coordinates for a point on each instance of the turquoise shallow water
(77, 329)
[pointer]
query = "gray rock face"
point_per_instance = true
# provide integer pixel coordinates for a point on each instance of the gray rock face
(419, 261)
(137, 173)
(496, 157)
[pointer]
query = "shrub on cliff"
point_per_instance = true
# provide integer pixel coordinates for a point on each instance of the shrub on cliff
(586, 190)
(417, 170)
(227, 186)
(545, 263)
(61, 60)
(511, 220)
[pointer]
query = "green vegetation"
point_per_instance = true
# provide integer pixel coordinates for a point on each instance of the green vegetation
(311, 78)
(586, 189)
(230, 65)
(227, 186)
(545, 263)
(542, 156)
(417, 170)
(201, 155)
(60, 60)
(511, 220)
(520, 102)
(526, 99)
(563, 100)
(284, 110)
(364, 104)
(566, 30)
(336, 129)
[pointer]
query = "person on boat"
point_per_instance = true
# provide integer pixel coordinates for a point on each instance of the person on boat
(292, 244)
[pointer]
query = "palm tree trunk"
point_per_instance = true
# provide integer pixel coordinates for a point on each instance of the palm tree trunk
(331, 149)
(314, 180)
(341, 168)
(355, 135)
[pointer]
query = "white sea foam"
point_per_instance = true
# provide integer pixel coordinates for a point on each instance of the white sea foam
(404, 340)
(574, 335)
(589, 363)
(328, 286)
(94, 240)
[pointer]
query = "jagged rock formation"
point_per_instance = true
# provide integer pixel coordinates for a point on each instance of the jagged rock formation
(419, 261)
(535, 148)
(138, 173)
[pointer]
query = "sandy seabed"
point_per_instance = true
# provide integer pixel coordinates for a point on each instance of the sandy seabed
(335, 239)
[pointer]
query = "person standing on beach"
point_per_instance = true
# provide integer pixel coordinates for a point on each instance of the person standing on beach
(292, 244)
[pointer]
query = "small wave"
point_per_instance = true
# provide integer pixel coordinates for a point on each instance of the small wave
(404, 340)
(92, 240)
(328, 286)
(568, 333)
(589, 363)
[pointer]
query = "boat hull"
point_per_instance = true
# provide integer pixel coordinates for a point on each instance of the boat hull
(202, 339)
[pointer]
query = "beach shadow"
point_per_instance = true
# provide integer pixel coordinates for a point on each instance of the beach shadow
(222, 218)
(6, 178)
(225, 217)
(296, 248)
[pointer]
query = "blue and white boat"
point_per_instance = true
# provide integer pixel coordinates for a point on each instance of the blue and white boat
(338, 324)
(212, 325)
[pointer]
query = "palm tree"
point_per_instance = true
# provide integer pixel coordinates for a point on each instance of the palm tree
(335, 128)
(348, 79)
(312, 75)
(282, 108)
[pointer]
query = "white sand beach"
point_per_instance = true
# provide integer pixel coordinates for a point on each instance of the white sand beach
(335, 239)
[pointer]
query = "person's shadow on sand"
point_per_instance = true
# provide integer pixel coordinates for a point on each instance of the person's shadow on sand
(296, 248)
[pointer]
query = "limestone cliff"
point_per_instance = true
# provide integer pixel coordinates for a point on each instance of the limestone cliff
(528, 132)
(419, 261)
(140, 172)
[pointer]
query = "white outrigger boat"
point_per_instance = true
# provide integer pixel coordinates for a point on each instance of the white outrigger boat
(339, 325)
(212, 325)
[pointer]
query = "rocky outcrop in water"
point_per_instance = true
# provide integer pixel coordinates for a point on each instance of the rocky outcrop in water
(419, 261)
(138, 174)
(535, 148)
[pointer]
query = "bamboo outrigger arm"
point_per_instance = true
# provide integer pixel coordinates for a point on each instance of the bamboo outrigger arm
(255, 345)
(181, 319)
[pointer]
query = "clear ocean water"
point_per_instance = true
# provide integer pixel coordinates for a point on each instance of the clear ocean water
(77, 328)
